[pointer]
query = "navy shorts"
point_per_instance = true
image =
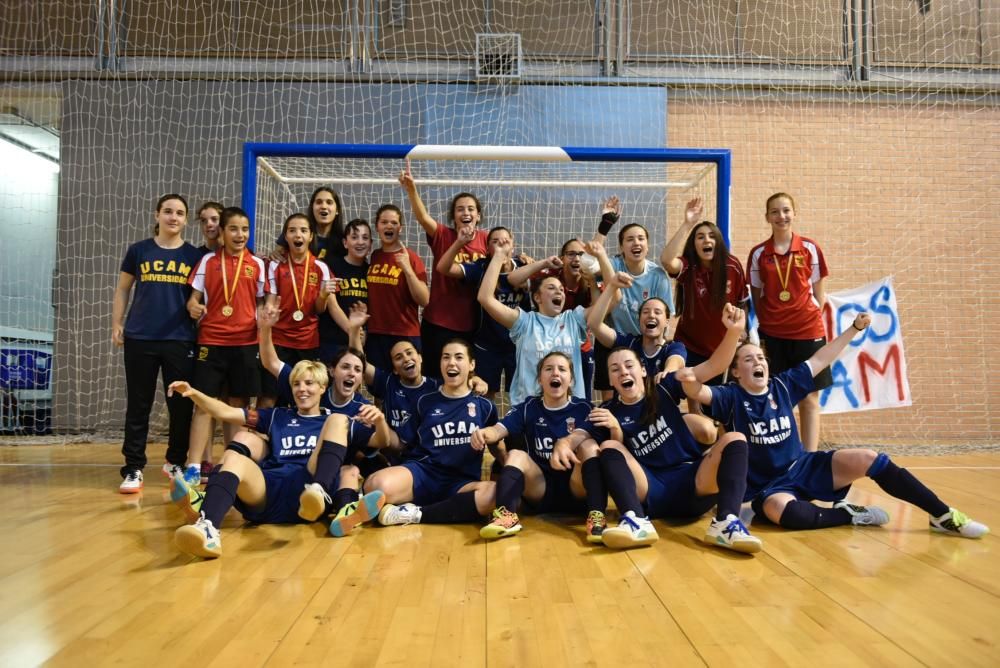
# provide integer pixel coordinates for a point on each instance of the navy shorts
(489, 364)
(433, 483)
(601, 354)
(558, 496)
(672, 492)
(235, 367)
(810, 478)
(283, 486)
(587, 359)
(785, 353)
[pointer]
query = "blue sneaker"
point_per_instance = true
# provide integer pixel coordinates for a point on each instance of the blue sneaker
(356, 512)
(192, 475)
(186, 497)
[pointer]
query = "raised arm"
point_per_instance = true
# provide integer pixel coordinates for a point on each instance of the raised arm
(446, 263)
(825, 356)
(418, 289)
(502, 313)
(670, 257)
(417, 204)
(267, 316)
(220, 410)
(599, 309)
(611, 209)
(520, 276)
(356, 320)
(122, 290)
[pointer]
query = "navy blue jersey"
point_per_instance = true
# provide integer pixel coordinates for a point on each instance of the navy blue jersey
(293, 436)
(490, 334)
(654, 364)
(360, 433)
(399, 402)
(159, 300)
(444, 431)
(665, 442)
(767, 422)
(543, 426)
(352, 288)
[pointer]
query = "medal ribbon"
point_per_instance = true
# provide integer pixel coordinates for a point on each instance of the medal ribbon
(305, 280)
(225, 284)
(777, 266)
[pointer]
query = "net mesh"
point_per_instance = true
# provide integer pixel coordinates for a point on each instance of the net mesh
(880, 116)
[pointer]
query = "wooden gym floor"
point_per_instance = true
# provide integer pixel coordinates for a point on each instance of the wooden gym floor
(89, 577)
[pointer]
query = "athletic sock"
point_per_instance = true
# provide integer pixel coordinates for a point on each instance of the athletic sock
(458, 509)
(328, 463)
(620, 482)
(902, 484)
(593, 483)
(510, 488)
(342, 497)
(220, 495)
(799, 515)
(731, 479)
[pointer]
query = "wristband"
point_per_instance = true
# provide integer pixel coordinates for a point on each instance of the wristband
(856, 327)
(608, 221)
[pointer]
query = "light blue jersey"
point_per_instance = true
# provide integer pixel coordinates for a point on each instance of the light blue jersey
(652, 282)
(536, 335)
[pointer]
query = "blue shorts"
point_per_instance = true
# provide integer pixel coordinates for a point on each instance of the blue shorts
(432, 483)
(558, 496)
(672, 492)
(283, 486)
(810, 478)
(489, 364)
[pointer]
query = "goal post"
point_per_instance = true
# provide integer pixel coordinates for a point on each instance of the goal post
(278, 177)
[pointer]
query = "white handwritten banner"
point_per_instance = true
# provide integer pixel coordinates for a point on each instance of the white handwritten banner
(871, 372)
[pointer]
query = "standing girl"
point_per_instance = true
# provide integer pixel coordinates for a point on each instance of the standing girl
(158, 336)
(786, 283)
(350, 273)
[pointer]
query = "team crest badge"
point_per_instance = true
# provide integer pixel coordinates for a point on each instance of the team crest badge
(570, 424)
(202, 353)
(248, 271)
(800, 262)
(472, 408)
(772, 402)
(313, 279)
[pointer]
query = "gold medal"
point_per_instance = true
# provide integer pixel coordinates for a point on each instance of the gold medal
(298, 315)
(227, 310)
(784, 295)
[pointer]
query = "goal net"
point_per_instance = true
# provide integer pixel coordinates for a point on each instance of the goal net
(544, 195)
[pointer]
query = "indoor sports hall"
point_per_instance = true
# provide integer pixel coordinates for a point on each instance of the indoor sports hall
(881, 118)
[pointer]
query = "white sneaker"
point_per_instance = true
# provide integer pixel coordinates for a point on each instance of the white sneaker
(172, 470)
(313, 502)
(864, 515)
(132, 484)
(406, 513)
(200, 539)
(730, 533)
(631, 531)
(956, 523)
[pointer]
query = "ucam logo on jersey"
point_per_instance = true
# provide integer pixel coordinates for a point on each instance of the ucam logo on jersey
(871, 372)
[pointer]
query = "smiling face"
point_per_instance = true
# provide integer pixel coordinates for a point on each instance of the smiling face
(456, 366)
(653, 318)
(358, 243)
(298, 235)
(572, 258)
(388, 226)
(465, 212)
(780, 214)
(627, 375)
(406, 362)
(171, 216)
(324, 208)
(555, 376)
(705, 243)
(236, 233)
(634, 243)
(751, 368)
(346, 374)
(550, 296)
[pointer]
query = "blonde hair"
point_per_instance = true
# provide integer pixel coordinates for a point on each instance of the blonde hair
(312, 369)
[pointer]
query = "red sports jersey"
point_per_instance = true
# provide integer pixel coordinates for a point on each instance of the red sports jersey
(700, 328)
(798, 317)
(245, 281)
(453, 303)
(289, 332)
(391, 309)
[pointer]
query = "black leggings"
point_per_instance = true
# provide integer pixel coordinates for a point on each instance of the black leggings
(144, 361)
